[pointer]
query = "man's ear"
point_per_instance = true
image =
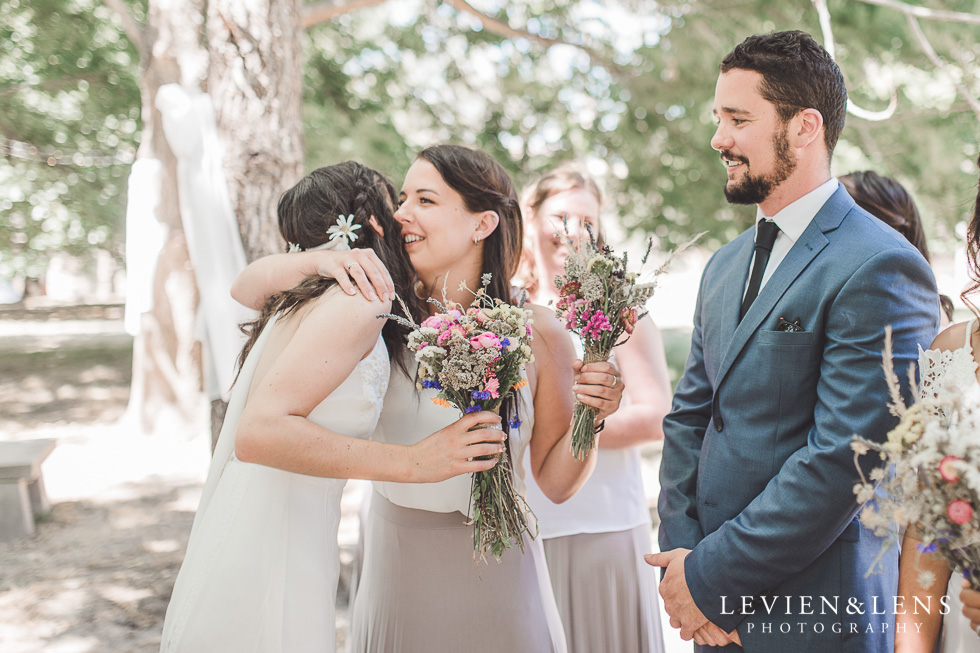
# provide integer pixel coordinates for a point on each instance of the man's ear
(487, 224)
(809, 128)
(377, 227)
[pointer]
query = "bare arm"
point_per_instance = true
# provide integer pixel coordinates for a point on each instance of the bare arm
(556, 471)
(274, 429)
(643, 365)
(277, 272)
(920, 631)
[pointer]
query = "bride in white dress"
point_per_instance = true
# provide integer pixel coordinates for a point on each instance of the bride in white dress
(950, 366)
(260, 572)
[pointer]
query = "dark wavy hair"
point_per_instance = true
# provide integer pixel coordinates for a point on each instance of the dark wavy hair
(797, 74)
(308, 209)
(887, 200)
(973, 253)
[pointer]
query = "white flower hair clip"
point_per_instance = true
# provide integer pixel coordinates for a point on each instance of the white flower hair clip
(341, 236)
(344, 228)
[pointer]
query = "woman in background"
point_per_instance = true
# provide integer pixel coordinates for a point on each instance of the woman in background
(594, 542)
(887, 200)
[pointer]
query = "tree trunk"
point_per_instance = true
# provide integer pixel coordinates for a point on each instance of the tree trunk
(250, 64)
(255, 79)
(167, 375)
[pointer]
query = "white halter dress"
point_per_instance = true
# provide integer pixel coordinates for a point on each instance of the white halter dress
(261, 568)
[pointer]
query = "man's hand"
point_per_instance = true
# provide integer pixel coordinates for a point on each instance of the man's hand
(711, 635)
(678, 602)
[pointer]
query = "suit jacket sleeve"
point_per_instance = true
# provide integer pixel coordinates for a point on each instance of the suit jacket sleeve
(684, 430)
(807, 505)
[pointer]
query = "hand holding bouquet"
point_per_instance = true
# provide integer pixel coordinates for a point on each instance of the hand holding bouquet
(930, 477)
(475, 358)
(600, 300)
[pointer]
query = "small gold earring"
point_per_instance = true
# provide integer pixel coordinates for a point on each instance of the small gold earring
(476, 239)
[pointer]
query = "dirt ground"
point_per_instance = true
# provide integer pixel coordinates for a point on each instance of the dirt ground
(97, 576)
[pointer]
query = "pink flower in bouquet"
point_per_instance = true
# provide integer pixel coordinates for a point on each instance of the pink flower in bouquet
(629, 316)
(566, 302)
(435, 322)
(492, 386)
(485, 341)
(453, 313)
(959, 511)
(453, 330)
(947, 468)
(597, 323)
(477, 314)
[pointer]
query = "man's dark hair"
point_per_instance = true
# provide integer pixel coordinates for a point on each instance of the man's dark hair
(797, 74)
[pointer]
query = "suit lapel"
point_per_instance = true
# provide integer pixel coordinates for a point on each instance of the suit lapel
(811, 243)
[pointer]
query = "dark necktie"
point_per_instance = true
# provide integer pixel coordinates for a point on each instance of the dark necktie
(764, 238)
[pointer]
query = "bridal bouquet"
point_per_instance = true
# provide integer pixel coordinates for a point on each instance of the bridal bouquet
(600, 300)
(930, 478)
(475, 358)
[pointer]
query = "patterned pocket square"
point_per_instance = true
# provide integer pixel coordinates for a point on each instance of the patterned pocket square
(790, 327)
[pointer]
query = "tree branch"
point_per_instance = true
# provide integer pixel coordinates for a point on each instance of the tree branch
(924, 12)
(503, 29)
(828, 42)
(134, 31)
(52, 83)
(327, 10)
(938, 63)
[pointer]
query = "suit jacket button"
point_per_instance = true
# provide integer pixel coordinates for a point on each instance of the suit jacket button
(719, 424)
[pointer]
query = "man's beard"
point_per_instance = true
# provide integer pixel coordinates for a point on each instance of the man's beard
(755, 189)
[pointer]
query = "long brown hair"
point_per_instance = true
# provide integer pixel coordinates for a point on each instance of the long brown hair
(307, 210)
(485, 186)
(563, 178)
(973, 253)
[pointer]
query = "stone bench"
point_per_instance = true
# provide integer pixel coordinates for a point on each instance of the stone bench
(22, 493)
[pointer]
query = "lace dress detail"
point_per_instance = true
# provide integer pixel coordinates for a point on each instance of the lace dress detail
(375, 373)
(942, 374)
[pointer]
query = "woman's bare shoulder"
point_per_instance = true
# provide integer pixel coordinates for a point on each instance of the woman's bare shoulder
(952, 337)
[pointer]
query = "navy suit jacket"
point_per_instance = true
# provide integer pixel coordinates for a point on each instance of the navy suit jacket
(757, 475)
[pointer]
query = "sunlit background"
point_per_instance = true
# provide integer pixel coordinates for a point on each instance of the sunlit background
(145, 144)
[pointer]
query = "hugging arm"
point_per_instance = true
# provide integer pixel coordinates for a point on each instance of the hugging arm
(807, 505)
(274, 429)
(354, 269)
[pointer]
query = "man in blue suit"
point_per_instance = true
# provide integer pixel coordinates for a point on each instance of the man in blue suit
(761, 546)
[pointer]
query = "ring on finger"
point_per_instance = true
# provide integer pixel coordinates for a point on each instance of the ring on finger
(347, 266)
(615, 381)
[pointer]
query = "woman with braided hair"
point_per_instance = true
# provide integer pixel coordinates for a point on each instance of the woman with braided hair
(261, 568)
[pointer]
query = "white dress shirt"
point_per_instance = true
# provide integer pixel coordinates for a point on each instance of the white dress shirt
(792, 222)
